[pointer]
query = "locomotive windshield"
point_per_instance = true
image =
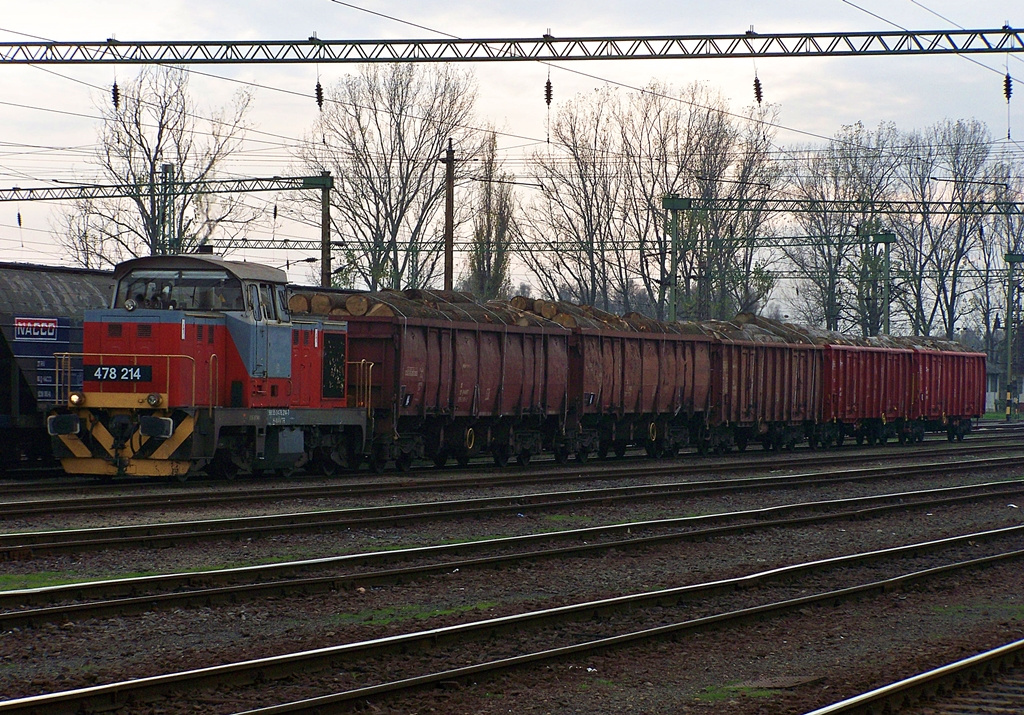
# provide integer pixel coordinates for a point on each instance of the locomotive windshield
(180, 290)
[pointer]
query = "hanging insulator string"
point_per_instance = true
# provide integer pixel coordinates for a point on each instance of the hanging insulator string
(758, 94)
(1007, 92)
(115, 96)
(547, 100)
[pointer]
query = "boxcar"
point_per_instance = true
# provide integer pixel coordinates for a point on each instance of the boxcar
(41, 310)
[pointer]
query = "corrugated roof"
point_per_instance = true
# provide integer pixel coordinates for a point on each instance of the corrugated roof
(52, 291)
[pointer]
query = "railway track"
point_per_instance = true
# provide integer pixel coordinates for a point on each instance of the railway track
(421, 658)
(22, 500)
(32, 607)
(14, 546)
(989, 682)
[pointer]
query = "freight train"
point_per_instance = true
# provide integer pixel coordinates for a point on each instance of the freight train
(206, 364)
(41, 309)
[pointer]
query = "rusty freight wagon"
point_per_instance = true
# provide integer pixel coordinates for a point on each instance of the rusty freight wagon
(766, 383)
(454, 378)
(631, 385)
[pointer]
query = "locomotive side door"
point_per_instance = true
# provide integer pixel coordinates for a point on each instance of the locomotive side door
(260, 347)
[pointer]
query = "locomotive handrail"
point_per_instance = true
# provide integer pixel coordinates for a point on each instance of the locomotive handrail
(362, 386)
(214, 381)
(65, 367)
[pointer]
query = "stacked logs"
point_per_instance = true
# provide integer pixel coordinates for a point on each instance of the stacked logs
(411, 303)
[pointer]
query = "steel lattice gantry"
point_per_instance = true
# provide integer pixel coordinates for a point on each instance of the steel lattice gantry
(546, 48)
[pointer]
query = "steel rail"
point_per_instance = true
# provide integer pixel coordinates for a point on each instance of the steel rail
(27, 544)
(139, 594)
(112, 695)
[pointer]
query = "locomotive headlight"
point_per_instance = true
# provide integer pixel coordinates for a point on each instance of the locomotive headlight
(76, 399)
(131, 304)
(153, 399)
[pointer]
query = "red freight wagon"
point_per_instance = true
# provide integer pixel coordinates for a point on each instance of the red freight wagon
(864, 393)
(635, 387)
(440, 388)
(763, 390)
(947, 391)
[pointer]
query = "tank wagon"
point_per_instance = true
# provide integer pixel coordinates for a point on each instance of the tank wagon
(199, 363)
(41, 309)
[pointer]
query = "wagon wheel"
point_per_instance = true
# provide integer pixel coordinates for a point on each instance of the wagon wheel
(620, 449)
(404, 461)
(501, 454)
(603, 449)
(462, 458)
(441, 458)
(523, 458)
(561, 454)
(582, 456)
(741, 442)
(377, 460)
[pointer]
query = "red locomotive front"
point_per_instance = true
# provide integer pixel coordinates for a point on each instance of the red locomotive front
(197, 362)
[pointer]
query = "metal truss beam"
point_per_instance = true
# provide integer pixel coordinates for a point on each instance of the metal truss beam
(750, 44)
(224, 186)
(956, 208)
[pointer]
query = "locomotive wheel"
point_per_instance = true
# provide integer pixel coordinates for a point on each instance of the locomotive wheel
(523, 458)
(324, 464)
(222, 468)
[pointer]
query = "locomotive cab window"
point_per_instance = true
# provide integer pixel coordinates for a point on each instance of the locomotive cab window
(180, 290)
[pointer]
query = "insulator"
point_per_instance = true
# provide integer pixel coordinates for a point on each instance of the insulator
(758, 95)
(319, 95)
(547, 92)
(115, 95)
(19, 219)
(1008, 86)
(275, 212)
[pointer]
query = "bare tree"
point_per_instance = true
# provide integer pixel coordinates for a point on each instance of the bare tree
(857, 166)
(571, 237)
(155, 141)
(494, 228)
(382, 132)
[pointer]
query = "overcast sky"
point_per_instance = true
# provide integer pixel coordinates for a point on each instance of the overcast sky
(48, 116)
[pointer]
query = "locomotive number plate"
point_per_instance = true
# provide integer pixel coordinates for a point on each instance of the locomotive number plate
(119, 373)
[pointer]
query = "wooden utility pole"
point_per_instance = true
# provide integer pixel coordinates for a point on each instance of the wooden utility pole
(449, 217)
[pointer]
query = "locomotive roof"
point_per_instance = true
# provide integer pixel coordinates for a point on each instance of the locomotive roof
(239, 269)
(52, 290)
